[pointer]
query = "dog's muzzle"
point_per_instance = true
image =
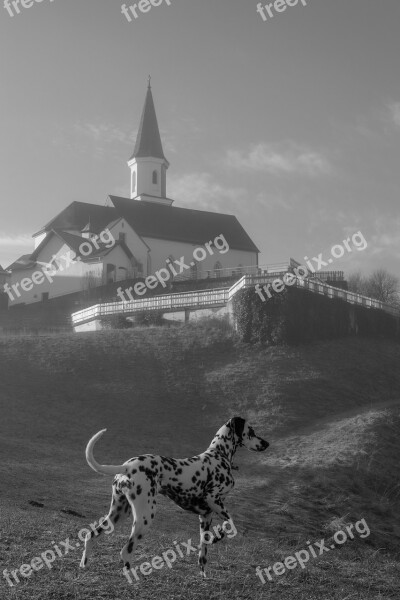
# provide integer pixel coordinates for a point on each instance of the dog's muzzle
(263, 446)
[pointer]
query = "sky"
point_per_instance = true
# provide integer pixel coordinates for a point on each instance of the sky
(292, 124)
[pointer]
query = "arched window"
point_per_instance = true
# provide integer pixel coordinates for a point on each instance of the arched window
(155, 177)
(193, 271)
(110, 273)
(217, 269)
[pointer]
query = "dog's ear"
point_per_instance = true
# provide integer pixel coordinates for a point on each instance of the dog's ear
(237, 425)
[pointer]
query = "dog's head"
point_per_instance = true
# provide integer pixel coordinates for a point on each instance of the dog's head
(244, 435)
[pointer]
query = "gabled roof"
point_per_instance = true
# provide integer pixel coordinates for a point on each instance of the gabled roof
(23, 262)
(154, 220)
(78, 214)
(29, 261)
(148, 141)
(74, 242)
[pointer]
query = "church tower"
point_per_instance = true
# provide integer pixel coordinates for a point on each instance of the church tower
(148, 164)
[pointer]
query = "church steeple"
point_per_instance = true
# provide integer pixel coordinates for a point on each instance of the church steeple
(148, 164)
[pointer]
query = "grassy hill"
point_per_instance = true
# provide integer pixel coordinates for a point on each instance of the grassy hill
(331, 412)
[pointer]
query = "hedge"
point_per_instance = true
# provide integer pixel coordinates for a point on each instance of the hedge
(298, 315)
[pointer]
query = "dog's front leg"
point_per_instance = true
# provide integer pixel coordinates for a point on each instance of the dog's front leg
(217, 506)
(205, 524)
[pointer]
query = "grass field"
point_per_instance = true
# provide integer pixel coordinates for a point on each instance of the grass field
(331, 412)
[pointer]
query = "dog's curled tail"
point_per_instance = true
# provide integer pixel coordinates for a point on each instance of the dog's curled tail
(103, 469)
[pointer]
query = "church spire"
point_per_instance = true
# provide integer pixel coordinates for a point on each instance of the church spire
(148, 163)
(148, 141)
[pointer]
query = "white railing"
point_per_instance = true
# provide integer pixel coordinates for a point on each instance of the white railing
(167, 302)
(248, 281)
(221, 296)
(237, 271)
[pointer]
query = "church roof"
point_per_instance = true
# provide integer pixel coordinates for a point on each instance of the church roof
(148, 141)
(23, 262)
(28, 261)
(155, 220)
(78, 214)
(74, 242)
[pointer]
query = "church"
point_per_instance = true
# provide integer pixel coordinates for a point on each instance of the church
(129, 237)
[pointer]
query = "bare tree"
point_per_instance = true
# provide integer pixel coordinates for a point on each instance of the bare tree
(357, 283)
(380, 285)
(384, 287)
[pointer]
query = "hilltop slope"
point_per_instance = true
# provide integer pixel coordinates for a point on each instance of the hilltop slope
(330, 411)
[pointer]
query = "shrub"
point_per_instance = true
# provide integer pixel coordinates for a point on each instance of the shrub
(298, 315)
(153, 317)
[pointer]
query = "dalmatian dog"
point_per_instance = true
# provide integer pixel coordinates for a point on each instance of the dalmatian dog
(198, 484)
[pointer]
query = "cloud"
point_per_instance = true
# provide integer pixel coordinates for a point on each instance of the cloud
(200, 190)
(394, 109)
(104, 133)
(19, 241)
(280, 159)
(275, 200)
(385, 241)
(102, 140)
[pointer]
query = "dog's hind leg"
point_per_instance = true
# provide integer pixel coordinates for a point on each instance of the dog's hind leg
(143, 512)
(118, 510)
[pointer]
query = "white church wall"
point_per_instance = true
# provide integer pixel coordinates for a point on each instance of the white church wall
(65, 281)
(133, 241)
(39, 239)
(142, 173)
(123, 265)
(161, 250)
(75, 277)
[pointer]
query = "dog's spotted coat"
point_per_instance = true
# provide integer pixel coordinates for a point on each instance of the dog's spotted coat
(198, 484)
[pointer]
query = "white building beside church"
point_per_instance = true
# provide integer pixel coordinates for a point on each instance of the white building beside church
(147, 228)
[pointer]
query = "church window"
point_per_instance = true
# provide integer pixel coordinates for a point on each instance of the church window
(193, 271)
(110, 273)
(155, 177)
(217, 269)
